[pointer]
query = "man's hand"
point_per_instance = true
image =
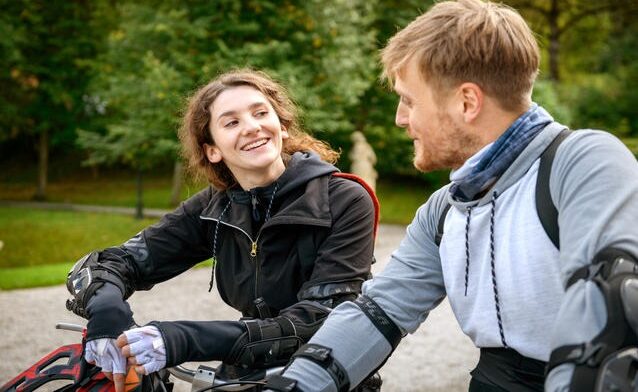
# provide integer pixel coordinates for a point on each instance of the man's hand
(105, 354)
(143, 348)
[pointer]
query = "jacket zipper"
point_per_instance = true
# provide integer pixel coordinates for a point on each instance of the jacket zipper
(253, 247)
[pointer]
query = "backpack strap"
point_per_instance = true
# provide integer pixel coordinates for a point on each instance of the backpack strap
(439, 228)
(306, 246)
(547, 212)
(373, 196)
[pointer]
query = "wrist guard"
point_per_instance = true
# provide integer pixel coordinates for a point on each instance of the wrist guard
(266, 343)
(85, 277)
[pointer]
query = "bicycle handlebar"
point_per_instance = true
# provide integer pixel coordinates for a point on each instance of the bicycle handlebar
(204, 377)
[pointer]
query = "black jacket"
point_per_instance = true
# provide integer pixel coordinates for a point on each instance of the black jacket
(314, 251)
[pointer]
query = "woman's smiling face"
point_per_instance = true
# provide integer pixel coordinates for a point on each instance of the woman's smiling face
(247, 135)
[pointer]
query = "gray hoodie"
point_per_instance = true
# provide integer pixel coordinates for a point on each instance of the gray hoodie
(594, 185)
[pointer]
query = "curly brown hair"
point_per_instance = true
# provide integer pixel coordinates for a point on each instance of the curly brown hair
(195, 130)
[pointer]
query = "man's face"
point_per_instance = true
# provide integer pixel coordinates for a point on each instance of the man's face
(433, 121)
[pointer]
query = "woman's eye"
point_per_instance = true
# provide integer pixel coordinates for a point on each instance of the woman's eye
(230, 124)
(261, 113)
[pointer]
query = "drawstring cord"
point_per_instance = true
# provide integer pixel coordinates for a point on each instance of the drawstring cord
(492, 263)
(219, 220)
(467, 247)
(212, 271)
(493, 267)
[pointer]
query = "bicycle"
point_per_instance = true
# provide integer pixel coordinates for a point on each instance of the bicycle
(65, 370)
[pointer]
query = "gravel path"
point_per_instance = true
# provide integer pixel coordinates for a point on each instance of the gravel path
(438, 357)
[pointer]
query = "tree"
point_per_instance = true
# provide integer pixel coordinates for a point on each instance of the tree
(139, 80)
(159, 51)
(43, 77)
(556, 18)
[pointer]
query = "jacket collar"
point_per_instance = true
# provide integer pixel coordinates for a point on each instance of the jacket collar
(308, 205)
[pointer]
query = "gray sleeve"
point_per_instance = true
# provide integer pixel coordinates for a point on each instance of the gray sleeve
(594, 184)
(410, 286)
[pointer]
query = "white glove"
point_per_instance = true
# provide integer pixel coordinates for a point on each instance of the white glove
(105, 354)
(146, 345)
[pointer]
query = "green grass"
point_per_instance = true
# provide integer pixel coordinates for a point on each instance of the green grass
(39, 246)
(25, 277)
(118, 191)
(38, 237)
(400, 200)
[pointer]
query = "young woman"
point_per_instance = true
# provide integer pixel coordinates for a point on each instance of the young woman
(289, 240)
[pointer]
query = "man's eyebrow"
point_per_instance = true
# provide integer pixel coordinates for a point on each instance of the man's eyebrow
(252, 106)
(400, 92)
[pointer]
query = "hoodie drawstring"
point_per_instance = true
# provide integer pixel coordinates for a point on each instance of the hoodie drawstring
(492, 263)
(212, 272)
(493, 267)
(467, 247)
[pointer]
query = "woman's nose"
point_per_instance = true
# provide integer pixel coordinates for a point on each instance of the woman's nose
(251, 125)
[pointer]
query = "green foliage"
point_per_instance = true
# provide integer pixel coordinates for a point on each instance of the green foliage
(137, 88)
(545, 94)
(143, 58)
(42, 78)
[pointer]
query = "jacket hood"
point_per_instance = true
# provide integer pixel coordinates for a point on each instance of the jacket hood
(301, 168)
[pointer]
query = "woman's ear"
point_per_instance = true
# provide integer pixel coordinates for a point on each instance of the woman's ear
(212, 153)
(284, 133)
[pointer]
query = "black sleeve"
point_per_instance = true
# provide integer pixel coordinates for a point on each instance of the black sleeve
(166, 249)
(187, 341)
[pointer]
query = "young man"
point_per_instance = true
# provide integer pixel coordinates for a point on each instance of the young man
(464, 73)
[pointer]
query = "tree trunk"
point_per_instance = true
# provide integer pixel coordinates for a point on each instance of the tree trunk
(176, 191)
(43, 166)
(139, 208)
(554, 42)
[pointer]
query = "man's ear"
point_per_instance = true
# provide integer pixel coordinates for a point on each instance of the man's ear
(212, 153)
(472, 97)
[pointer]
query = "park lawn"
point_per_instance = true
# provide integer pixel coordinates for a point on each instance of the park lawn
(119, 191)
(39, 246)
(399, 199)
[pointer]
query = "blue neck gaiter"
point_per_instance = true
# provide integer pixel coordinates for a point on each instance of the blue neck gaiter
(501, 154)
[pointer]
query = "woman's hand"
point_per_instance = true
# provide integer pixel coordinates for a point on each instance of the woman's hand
(106, 354)
(143, 348)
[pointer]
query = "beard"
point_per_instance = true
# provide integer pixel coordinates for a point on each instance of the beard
(451, 147)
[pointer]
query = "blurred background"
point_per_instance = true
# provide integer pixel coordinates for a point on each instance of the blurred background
(91, 94)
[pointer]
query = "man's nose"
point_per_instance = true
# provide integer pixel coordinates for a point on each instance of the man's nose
(401, 117)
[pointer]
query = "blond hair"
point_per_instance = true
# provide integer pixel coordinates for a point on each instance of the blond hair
(469, 41)
(195, 130)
